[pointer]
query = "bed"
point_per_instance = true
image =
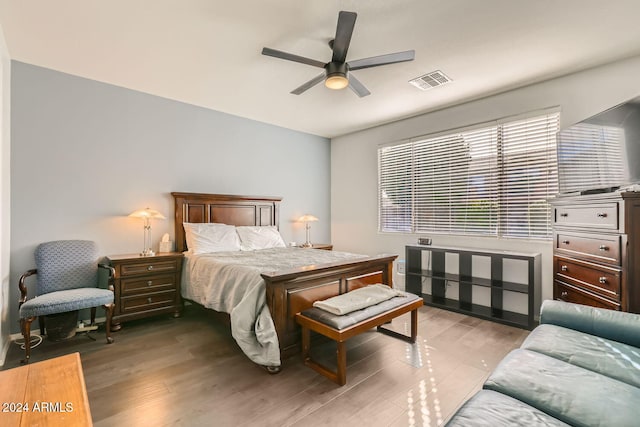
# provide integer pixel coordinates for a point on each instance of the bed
(286, 290)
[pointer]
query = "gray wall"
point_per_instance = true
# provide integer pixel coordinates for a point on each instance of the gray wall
(85, 154)
(354, 198)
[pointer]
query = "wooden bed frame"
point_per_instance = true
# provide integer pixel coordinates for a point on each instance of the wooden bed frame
(291, 291)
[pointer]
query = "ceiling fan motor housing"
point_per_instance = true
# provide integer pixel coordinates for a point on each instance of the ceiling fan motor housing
(336, 75)
(337, 69)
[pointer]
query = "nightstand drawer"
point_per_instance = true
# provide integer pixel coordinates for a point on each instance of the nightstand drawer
(597, 278)
(603, 248)
(147, 301)
(568, 293)
(149, 267)
(598, 215)
(150, 283)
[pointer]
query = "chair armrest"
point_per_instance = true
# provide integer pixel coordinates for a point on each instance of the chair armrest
(614, 325)
(112, 275)
(23, 287)
(112, 271)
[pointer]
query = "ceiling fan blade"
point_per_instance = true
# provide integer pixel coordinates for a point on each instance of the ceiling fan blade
(357, 87)
(291, 57)
(308, 85)
(346, 22)
(375, 61)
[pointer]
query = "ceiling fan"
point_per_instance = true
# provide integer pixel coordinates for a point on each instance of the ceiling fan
(337, 72)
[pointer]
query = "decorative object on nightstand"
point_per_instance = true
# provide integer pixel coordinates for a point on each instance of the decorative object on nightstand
(325, 246)
(147, 214)
(145, 286)
(307, 218)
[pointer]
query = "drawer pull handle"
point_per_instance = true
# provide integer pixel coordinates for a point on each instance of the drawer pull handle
(564, 294)
(604, 248)
(602, 215)
(565, 242)
(564, 214)
(564, 268)
(602, 280)
(150, 282)
(149, 300)
(150, 268)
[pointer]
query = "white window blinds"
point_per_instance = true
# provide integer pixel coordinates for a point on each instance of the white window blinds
(488, 181)
(591, 157)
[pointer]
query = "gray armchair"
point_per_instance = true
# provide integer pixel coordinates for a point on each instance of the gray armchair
(67, 280)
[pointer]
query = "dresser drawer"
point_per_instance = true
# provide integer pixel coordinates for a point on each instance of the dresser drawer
(150, 283)
(596, 278)
(598, 216)
(148, 267)
(603, 248)
(147, 302)
(568, 293)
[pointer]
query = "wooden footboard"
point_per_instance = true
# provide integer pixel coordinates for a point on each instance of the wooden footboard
(289, 292)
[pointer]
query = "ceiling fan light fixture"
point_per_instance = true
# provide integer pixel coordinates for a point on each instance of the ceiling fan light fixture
(336, 81)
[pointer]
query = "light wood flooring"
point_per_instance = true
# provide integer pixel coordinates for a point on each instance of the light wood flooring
(190, 372)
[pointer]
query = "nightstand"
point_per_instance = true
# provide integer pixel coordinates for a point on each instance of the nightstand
(145, 286)
(325, 246)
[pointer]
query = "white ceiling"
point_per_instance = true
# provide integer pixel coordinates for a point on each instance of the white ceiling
(207, 52)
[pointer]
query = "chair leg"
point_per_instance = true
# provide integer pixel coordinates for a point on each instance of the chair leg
(25, 326)
(41, 323)
(108, 308)
(93, 316)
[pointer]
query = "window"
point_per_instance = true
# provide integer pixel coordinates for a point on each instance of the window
(492, 180)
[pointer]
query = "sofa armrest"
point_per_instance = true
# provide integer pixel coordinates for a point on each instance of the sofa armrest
(609, 324)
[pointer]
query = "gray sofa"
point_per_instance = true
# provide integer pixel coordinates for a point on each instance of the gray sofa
(580, 367)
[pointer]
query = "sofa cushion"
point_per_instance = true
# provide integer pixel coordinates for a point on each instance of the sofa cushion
(489, 409)
(610, 358)
(572, 394)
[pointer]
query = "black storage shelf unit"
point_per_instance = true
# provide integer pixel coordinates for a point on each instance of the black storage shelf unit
(415, 273)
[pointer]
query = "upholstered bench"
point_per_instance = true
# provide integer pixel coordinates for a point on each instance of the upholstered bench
(342, 327)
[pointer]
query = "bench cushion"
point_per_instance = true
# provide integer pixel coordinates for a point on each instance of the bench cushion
(350, 319)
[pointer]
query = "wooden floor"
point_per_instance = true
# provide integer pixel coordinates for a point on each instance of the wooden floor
(190, 372)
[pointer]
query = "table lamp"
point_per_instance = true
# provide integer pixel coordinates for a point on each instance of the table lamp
(307, 218)
(147, 214)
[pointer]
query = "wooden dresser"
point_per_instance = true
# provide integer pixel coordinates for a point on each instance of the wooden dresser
(596, 256)
(146, 286)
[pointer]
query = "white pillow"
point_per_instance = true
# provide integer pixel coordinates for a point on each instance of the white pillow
(252, 238)
(210, 237)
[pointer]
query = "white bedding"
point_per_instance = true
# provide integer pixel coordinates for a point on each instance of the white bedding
(230, 282)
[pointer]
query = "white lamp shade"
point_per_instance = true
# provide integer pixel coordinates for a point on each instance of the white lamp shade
(147, 213)
(307, 218)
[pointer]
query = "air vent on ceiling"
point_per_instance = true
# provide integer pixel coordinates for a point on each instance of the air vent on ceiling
(430, 80)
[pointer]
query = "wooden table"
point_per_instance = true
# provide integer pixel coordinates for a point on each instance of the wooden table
(48, 393)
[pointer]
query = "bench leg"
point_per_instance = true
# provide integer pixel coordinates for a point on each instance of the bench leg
(414, 329)
(342, 363)
(340, 375)
(414, 325)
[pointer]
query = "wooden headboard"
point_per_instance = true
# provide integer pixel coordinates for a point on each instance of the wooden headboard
(224, 209)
